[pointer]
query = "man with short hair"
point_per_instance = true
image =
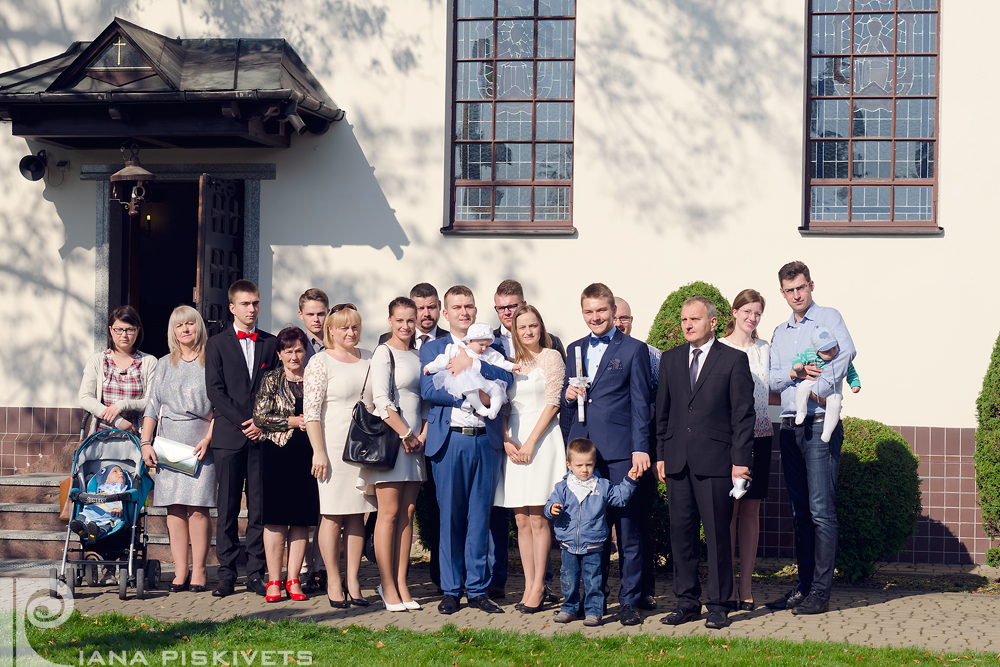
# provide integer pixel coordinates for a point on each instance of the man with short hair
(314, 305)
(646, 490)
(464, 450)
(704, 437)
(235, 361)
(809, 464)
(617, 421)
(425, 296)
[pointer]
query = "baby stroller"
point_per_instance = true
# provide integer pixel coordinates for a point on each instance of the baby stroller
(123, 546)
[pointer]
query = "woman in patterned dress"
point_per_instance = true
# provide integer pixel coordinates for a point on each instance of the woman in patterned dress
(179, 409)
(116, 381)
(741, 333)
(536, 454)
(334, 381)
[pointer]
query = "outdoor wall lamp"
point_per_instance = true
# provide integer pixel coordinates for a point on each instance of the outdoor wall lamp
(127, 185)
(32, 167)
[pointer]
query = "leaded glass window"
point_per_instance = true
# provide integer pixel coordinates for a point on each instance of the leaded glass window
(512, 106)
(872, 113)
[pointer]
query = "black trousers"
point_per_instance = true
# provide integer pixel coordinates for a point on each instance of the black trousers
(238, 471)
(694, 501)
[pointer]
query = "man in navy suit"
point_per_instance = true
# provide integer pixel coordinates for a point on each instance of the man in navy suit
(617, 421)
(704, 435)
(464, 450)
(235, 361)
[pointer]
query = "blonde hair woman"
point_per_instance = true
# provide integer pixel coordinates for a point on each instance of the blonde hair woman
(333, 385)
(179, 409)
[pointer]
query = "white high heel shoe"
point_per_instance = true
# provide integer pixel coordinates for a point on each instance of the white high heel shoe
(412, 605)
(388, 606)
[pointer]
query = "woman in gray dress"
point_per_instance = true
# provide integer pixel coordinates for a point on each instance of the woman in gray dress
(179, 408)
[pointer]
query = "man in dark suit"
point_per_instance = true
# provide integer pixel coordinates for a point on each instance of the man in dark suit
(235, 361)
(428, 304)
(314, 305)
(617, 421)
(464, 450)
(704, 435)
(507, 299)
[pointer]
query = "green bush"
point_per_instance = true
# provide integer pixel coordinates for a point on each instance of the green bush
(666, 330)
(878, 496)
(988, 451)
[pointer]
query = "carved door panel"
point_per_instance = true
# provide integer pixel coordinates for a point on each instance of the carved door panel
(220, 248)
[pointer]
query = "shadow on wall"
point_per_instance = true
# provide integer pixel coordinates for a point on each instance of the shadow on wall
(936, 543)
(718, 60)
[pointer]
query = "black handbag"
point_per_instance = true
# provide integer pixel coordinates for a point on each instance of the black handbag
(370, 442)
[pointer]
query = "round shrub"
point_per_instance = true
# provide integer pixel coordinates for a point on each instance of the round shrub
(666, 330)
(878, 496)
(988, 452)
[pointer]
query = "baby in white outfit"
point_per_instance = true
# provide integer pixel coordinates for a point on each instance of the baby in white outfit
(470, 382)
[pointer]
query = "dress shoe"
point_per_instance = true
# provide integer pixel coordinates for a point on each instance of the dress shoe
(256, 585)
(716, 620)
(357, 602)
(271, 598)
(388, 606)
(629, 615)
(223, 589)
(791, 600)
(646, 603)
(484, 603)
(294, 596)
(496, 592)
(196, 588)
(412, 605)
(679, 616)
(449, 605)
(813, 604)
(177, 588)
(525, 609)
(339, 604)
(747, 606)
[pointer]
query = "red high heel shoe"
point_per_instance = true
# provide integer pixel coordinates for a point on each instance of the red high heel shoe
(273, 598)
(294, 596)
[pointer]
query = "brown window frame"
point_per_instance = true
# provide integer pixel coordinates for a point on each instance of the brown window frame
(454, 225)
(892, 225)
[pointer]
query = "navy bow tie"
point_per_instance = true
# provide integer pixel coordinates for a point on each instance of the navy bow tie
(594, 340)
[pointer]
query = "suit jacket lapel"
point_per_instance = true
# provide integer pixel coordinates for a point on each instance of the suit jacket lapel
(238, 350)
(258, 346)
(609, 352)
(706, 368)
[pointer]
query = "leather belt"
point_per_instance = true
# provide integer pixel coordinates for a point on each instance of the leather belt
(789, 422)
(469, 430)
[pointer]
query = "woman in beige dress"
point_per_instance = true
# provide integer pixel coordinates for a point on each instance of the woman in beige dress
(333, 385)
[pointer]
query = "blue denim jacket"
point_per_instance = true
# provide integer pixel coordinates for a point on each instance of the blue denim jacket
(583, 527)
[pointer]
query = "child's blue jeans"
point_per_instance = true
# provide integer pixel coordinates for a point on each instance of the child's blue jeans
(588, 567)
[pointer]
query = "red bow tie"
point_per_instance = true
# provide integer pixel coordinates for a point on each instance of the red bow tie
(240, 335)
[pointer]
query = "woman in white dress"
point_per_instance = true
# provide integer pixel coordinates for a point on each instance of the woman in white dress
(334, 381)
(741, 333)
(396, 490)
(536, 454)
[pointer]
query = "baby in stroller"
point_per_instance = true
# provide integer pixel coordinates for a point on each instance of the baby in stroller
(96, 520)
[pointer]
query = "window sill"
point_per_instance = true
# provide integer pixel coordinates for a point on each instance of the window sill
(853, 230)
(495, 230)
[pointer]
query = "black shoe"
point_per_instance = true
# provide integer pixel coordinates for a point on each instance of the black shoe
(679, 616)
(449, 605)
(94, 533)
(177, 588)
(339, 604)
(223, 589)
(484, 603)
(525, 609)
(791, 600)
(813, 604)
(550, 596)
(747, 606)
(77, 527)
(195, 588)
(357, 602)
(716, 620)
(256, 585)
(496, 593)
(646, 602)
(629, 615)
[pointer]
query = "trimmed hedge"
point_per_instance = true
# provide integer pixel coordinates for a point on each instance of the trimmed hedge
(878, 496)
(666, 330)
(988, 453)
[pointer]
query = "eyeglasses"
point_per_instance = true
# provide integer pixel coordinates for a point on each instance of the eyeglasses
(507, 309)
(340, 306)
(127, 331)
(794, 290)
(624, 319)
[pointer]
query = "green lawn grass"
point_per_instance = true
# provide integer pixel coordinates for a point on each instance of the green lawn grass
(113, 639)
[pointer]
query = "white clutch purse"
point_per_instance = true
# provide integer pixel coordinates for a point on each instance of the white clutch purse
(175, 456)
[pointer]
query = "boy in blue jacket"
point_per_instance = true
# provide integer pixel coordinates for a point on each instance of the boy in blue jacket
(579, 504)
